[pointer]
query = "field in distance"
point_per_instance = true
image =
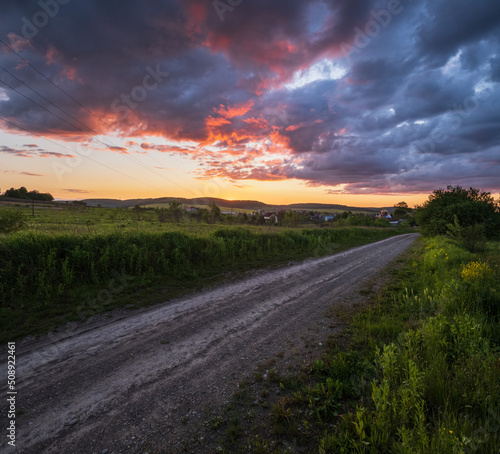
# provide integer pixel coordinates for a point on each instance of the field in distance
(230, 205)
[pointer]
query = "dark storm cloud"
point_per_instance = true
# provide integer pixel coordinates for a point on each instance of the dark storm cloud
(495, 69)
(449, 25)
(415, 105)
(264, 34)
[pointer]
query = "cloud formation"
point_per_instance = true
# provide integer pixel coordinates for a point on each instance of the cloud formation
(365, 96)
(32, 151)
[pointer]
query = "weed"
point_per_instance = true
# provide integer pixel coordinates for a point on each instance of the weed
(234, 431)
(216, 422)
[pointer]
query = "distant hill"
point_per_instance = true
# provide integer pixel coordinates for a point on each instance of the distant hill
(114, 203)
(328, 206)
(242, 204)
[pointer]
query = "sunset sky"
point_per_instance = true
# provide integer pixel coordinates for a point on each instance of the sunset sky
(358, 102)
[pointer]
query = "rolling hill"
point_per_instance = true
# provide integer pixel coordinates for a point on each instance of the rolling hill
(241, 204)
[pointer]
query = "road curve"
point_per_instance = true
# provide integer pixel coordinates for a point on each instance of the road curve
(129, 384)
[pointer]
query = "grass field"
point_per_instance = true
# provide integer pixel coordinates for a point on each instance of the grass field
(421, 373)
(72, 262)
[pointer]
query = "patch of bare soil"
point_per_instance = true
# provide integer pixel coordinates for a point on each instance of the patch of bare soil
(154, 381)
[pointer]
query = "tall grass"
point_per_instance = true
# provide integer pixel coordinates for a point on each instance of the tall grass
(435, 386)
(43, 273)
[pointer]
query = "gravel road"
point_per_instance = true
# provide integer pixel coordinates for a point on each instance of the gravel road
(139, 382)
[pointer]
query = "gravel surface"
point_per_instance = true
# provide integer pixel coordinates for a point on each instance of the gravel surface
(146, 382)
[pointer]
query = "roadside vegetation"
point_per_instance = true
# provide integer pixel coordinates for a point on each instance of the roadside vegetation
(417, 371)
(470, 216)
(48, 278)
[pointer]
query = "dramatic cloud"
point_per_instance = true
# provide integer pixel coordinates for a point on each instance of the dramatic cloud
(359, 96)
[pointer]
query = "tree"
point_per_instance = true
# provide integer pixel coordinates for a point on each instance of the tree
(215, 212)
(22, 193)
(138, 210)
(291, 219)
(174, 210)
(470, 206)
(401, 209)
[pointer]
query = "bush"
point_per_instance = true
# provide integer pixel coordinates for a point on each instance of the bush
(470, 206)
(381, 222)
(11, 220)
(472, 237)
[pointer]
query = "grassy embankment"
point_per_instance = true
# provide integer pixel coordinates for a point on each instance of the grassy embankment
(48, 276)
(421, 373)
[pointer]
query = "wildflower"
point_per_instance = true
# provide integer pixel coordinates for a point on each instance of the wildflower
(474, 271)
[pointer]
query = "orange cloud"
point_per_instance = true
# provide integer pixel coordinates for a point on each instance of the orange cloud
(257, 122)
(121, 150)
(168, 148)
(51, 55)
(235, 111)
(212, 122)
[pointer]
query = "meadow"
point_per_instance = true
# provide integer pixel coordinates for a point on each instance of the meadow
(417, 371)
(69, 263)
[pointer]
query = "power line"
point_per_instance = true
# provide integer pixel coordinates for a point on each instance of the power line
(89, 111)
(43, 97)
(49, 80)
(42, 107)
(76, 127)
(72, 125)
(72, 151)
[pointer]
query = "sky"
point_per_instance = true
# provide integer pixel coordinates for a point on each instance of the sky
(357, 102)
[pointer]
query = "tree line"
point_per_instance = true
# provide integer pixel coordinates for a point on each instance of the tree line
(23, 193)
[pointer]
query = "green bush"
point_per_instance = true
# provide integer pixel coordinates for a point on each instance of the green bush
(470, 206)
(11, 220)
(472, 237)
(381, 222)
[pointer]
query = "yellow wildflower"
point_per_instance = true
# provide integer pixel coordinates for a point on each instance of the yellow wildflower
(474, 271)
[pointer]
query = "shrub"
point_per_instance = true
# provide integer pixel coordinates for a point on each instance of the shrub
(381, 222)
(470, 207)
(11, 220)
(472, 237)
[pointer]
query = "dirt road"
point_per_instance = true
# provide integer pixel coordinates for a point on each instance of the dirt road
(138, 383)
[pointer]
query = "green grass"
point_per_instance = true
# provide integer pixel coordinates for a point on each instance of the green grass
(75, 262)
(421, 373)
(435, 385)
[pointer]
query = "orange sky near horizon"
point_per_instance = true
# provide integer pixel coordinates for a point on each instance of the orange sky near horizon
(103, 174)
